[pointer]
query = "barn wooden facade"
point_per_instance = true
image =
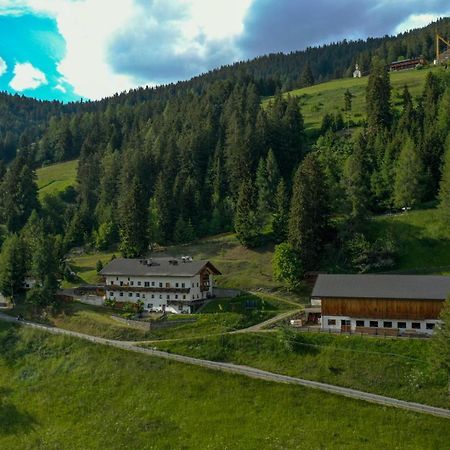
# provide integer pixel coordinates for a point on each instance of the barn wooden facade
(397, 303)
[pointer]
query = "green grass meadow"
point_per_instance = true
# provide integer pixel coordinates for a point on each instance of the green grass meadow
(391, 367)
(56, 177)
(62, 393)
(317, 100)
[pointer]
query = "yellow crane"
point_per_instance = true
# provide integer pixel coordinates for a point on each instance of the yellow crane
(440, 39)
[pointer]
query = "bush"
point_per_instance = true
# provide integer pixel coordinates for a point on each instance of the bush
(286, 265)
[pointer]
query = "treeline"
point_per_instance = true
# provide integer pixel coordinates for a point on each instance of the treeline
(26, 123)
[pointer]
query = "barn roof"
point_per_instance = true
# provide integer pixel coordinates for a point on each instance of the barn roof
(156, 267)
(408, 287)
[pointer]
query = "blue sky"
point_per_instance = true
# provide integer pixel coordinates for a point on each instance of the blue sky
(72, 49)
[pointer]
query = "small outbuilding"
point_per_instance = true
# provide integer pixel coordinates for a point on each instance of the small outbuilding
(391, 304)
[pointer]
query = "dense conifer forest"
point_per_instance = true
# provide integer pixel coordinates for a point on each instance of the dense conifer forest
(174, 163)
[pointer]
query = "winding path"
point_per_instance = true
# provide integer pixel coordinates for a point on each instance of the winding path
(245, 370)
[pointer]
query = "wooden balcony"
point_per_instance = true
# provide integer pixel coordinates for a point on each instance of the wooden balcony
(128, 288)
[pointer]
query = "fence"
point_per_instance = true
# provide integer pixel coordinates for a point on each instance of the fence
(365, 332)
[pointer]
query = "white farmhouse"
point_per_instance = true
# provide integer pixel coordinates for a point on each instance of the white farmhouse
(162, 284)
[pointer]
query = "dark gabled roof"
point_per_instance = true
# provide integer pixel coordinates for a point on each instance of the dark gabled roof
(408, 287)
(156, 266)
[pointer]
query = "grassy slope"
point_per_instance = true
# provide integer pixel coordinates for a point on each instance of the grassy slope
(56, 177)
(423, 240)
(63, 393)
(97, 321)
(392, 367)
(328, 97)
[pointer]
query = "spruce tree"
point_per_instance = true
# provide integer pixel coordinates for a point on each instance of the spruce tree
(444, 188)
(132, 219)
(378, 96)
(262, 186)
(281, 215)
(408, 176)
(246, 222)
(12, 265)
(307, 77)
(309, 213)
(273, 178)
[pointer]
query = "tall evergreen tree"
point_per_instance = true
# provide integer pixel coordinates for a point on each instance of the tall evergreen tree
(281, 215)
(309, 213)
(246, 221)
(12, 265)
(132, 219)
(408, 176)
(378, 96)
(306, 77)
(444, 188)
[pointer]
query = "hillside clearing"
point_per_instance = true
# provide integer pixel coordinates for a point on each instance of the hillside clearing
(315, 101)
(57, 177)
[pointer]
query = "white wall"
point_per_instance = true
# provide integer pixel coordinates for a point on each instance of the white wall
(337, 326)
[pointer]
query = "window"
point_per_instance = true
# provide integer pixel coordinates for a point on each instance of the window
(149, 305)
(184, 298)
(197, 283)
(373, 323)
(345, 322)
(176, 296)
(430, 326)
(121, 283)
(168, 297)
(387, 324)
(331, 322)
(167, 285)
(160, 284)
(415, 325)
(131, 283)
(146, 284)
(183, 285)
(153, 295)
(193, 296)
(112, 283)
(360, 323)
(111, 294)
(121, 294)
(401, 324)
(138, 295)
(128, 278)
(139, 283)
(160, 296)
(193, 284)
(153, 283)
(176, 284)
(117, 278)
(130, 294)
(143, 295)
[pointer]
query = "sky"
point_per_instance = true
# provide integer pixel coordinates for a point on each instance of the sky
(72, 49)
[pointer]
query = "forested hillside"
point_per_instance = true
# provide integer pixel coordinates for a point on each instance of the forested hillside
(171, 164)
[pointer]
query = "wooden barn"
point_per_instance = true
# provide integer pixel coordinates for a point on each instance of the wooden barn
(391, 304)
(407, 64)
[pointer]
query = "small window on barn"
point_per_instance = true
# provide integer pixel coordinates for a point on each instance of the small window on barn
(415, 325)
(387, 324)
(401, 325)
(331, 322)
(121, 294)
(373, 323)
(430, 326)
(360, 323)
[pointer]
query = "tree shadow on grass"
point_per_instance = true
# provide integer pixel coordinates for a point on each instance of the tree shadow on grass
(13, 421)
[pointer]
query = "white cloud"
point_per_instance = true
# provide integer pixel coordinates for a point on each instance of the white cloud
(26, 76)
(417, 21)
(3, 66)
(89, 27)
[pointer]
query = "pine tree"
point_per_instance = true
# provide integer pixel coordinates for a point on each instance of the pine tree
(12, 265)
(246, 222)
(262, 186)
(355, 180)
(444, 188)
(273, 178)
(307, 77)
(309, 213)
(281, 215)
(132, 219)
(183, 232)
(378, 97)
(408, 176)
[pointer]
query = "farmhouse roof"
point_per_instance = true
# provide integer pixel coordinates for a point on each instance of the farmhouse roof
(182, 267)
(407, 287)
